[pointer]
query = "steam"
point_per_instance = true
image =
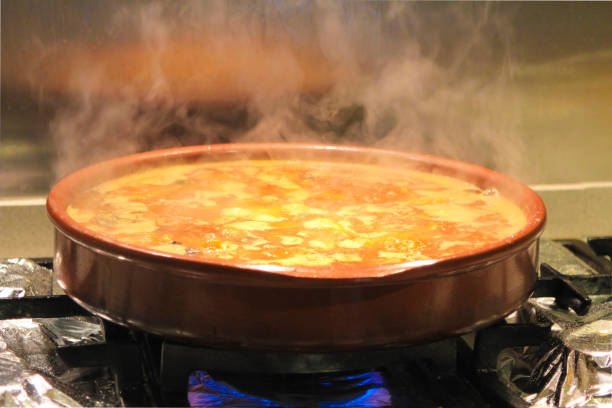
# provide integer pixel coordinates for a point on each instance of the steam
(423, 77)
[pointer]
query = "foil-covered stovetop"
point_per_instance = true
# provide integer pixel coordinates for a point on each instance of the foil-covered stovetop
(32, 374)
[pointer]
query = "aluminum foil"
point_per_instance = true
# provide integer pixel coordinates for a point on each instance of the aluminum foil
(32, 373)
(571, 369)
(23, 277)
(73, 331)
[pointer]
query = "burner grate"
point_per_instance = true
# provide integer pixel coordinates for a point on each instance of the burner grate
(595, 252)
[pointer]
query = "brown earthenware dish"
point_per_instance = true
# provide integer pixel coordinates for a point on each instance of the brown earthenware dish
(225, 304)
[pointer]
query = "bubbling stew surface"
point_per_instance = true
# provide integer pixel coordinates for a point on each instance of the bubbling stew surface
(297, 213)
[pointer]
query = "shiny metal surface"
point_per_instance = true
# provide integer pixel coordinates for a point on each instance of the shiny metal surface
(569, 370)
(31, 372)
(21, 277)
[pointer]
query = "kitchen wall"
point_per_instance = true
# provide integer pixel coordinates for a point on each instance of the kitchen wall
(565, 88)
(560, 87)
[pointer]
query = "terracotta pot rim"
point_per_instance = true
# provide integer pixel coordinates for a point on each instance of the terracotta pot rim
(214, 269)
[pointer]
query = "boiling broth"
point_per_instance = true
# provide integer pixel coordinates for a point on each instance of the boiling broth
(297, 213)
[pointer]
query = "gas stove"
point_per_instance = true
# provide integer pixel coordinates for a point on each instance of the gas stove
(554, 351)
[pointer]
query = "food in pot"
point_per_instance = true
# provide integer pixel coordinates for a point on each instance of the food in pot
(297, 212)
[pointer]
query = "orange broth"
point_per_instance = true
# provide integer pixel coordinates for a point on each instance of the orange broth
(297, 213)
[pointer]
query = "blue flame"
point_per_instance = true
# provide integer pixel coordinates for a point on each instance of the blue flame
(357, 390)
(204, 391)
(374, 397)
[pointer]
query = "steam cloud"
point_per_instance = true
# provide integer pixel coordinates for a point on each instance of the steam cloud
(422, 77)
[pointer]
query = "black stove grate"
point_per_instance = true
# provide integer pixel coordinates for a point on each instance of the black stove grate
(595, 252)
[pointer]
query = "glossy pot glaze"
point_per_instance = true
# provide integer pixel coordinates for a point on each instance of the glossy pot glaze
(224, 304)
